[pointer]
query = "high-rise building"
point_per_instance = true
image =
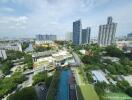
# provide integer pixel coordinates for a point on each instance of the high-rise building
(129, 35)
(46, 37)
(3, 54)
(107, 33)
(86, 35)
(77, 31)
(68, 36)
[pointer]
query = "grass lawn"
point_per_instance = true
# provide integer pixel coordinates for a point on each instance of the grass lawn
(86, 92)
(117, 96)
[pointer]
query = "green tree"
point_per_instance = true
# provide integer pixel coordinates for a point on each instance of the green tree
(100, 87)
(9, 84)
(25, 94)
(13, 55)
(6, 66)
(25, 45)
(114, 52)
(40, 77)
(28, 60)
(123, 85)
(129, 91)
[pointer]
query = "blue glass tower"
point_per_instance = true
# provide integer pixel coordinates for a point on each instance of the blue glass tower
(86, 35)
(77, 31)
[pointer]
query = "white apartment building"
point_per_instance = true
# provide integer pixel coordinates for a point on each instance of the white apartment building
(3, 54)
(11, 46)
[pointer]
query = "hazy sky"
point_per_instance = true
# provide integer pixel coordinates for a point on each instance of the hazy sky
(25, 18)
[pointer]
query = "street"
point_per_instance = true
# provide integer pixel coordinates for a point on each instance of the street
(41, 92)
(80, 63)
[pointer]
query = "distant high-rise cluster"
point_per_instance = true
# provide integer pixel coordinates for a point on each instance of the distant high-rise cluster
(107, 33)
(129, 35)
(68, 36)
(80, 36)
(46, 37)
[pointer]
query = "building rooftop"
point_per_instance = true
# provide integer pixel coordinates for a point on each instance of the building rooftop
(99, 76)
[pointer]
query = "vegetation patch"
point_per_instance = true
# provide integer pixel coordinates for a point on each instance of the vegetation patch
(25, 94)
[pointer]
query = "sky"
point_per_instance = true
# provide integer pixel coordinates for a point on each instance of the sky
(26, 18)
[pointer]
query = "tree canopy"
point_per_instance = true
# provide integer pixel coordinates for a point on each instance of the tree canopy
(25, 94)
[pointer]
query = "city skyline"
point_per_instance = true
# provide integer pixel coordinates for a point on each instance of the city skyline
(26, 18)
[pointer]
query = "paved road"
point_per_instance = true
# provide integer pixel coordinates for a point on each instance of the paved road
(41, 94)
(80, 63)
(28, 82)
(77, 59)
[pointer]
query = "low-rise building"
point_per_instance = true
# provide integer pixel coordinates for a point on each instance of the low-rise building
(41, 42)
(11, 46)
(121, 44)
(128, 79)
(113, 59)
(99, 76)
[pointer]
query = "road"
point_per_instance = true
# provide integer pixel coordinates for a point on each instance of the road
(77, 59)
(28, 82)
(41, 94)
(80, 63)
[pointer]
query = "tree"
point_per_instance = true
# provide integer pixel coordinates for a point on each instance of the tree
(111, 69)
(28, 60)
(114, 52)
(25, 94)
(123, 85)
(42, 49)
(18, 77)
(6, 66)
(25, 45)
(100, 87)
(89, 76)
(13, 55)
(129, 91)
(9, 84)
(129, 55)
(40, 77)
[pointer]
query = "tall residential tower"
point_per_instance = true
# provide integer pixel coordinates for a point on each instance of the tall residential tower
(80, 36)
(77, 31)
(86, 35)
(107, 33)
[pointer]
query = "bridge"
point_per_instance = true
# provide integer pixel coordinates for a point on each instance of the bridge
(37, 70)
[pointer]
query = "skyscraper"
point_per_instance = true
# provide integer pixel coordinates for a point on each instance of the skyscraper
(107, 33)
(77, 31)
(86, 35)
(129, 35)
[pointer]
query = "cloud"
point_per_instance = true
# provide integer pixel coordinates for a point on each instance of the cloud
(6, 10)
(14, 25)
(56, 16)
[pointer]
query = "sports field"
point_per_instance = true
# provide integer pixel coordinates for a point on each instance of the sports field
(85, 91)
